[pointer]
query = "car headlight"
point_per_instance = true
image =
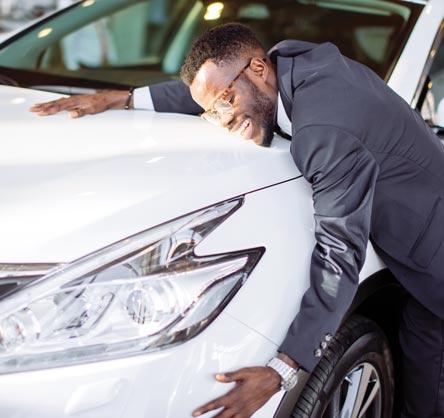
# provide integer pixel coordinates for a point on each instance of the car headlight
(147, 292)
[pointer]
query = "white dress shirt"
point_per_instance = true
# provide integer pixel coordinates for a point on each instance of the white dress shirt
(142, 99)
(283, 120)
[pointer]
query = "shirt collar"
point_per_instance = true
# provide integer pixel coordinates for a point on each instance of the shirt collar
(283, 120)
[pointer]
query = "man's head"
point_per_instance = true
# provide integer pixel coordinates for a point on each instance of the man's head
(230, 76)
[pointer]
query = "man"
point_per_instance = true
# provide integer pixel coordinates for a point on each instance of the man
(376, 170)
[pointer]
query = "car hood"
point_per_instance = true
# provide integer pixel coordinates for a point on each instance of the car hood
(69, 187)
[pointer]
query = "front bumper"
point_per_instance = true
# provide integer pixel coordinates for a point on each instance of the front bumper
(165, 384)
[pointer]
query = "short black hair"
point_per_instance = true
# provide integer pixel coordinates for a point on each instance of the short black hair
(227, 42)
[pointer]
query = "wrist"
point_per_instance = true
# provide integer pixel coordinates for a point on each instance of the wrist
(130, 99)
(117, 99)
(275, 378)
(288, 376)
(288, 360)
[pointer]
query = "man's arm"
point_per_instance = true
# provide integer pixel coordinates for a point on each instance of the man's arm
(343, 176)
(175, 97)
(170, 96)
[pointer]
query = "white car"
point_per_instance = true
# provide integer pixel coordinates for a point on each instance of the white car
(142, 253)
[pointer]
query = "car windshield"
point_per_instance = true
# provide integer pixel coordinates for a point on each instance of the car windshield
(140, 42)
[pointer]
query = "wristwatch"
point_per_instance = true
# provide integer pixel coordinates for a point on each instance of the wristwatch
(288, 374)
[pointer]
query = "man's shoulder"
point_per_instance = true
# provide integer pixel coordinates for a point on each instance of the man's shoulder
(338, 94)
(291, 48)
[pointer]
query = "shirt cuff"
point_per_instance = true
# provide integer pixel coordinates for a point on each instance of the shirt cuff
(142, 99)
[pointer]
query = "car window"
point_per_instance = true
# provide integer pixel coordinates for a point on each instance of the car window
(433, 106)
(138, 42)
(108, 42)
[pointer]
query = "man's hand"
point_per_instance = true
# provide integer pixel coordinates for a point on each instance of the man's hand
(88, 104)
(254, 387)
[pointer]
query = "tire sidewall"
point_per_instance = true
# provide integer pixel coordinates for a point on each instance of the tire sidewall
(372, 348)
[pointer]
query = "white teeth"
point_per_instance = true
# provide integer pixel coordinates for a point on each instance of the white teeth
(245, 125)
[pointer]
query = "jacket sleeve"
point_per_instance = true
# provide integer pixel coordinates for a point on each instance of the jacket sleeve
(175, 97)
(343, 175)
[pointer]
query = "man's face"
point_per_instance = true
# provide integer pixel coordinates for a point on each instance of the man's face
(250, 99)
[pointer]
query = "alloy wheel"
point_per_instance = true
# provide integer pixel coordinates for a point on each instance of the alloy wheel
(358, 396)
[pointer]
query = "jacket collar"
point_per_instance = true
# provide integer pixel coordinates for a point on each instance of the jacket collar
(284, 55)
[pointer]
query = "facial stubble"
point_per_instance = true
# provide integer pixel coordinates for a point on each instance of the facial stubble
(265, 110)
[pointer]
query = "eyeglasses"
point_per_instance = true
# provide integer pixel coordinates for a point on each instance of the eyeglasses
(221, 106)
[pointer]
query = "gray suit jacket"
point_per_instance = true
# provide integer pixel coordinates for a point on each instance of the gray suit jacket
(377, 171)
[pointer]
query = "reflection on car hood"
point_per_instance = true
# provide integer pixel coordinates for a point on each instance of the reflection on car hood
(69, 187)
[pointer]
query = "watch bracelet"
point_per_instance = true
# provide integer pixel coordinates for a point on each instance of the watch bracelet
(288, 374)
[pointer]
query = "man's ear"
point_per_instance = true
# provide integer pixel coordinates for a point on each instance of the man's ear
(259, 67)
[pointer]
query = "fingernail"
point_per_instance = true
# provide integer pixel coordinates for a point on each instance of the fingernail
(220, 376)
(196, 414)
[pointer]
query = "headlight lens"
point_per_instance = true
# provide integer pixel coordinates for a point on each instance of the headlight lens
(144, 293)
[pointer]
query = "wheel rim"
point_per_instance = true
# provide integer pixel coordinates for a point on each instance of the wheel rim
(358, 396)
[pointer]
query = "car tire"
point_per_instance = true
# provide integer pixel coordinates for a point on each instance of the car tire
(356, 370)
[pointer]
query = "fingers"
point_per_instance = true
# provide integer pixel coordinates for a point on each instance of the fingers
(71, 105)
(55, 106)
(87, 104)
(226, 413)
(77, 112)
(43, 109)
(227, 399)
(38, 107)
(233, 376)
(77, 106)
(215, 404)
(253, 389)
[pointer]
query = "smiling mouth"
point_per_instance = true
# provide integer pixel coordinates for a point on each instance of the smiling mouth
(243, 128)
